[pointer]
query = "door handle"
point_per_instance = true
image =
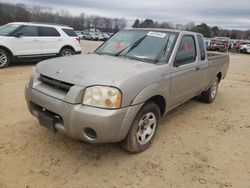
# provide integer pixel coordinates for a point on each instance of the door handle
(35, 40)
(197, 68)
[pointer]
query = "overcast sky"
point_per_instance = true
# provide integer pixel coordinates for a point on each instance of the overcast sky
(231, 14)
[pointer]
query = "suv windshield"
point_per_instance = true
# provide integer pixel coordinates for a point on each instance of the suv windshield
(141, 45)
(7, 29)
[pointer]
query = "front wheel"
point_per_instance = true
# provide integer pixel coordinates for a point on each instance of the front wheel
(143, 129)
(209, 95)
(4, 59)
(66, 52)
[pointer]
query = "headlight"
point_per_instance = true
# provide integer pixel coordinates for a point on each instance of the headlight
(102, 97)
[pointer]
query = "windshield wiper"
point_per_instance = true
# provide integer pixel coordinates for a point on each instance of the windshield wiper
(162, 52)
(132, 46)
(141, 59)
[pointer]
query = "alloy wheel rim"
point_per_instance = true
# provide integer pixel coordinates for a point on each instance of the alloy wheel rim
(3, 59)
(146, 129)
(67, 53)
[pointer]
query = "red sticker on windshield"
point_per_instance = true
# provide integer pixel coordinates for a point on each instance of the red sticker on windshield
(118, 46)
(186, 47)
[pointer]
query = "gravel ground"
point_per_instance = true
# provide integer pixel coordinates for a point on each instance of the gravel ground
(197, 145)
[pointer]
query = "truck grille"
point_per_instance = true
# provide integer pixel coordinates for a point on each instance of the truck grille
(56, 83)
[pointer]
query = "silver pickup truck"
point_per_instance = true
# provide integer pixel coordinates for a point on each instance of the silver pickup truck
(120, 92)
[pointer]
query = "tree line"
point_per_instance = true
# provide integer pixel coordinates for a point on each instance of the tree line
(23, 13)
(202, 28)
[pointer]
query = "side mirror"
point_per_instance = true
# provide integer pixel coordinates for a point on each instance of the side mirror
(18, 35)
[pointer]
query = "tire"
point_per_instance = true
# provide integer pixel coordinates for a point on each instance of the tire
(4, 59)
(209, 95)
(66, 52)
(141, 135)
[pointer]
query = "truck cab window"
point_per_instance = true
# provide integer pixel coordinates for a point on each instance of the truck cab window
(186, 52)
(202, 48)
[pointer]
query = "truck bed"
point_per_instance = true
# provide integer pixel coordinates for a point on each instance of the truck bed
(216, 61)
(213, 56)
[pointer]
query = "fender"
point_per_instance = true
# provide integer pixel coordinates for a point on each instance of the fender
(145, 94)
(151, 91)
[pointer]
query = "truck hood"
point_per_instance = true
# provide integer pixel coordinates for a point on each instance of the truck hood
(90, 69)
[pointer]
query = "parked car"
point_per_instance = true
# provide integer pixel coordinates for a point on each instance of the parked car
(207, 43)
(120, 92)
(219, 44)
(79, 34)
(36, 41)
(105, 36)
(245, 48)
(99, 36)
(84, 33)
(110, 34)
(91, 36)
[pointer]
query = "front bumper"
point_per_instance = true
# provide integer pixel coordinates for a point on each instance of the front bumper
(109, 125)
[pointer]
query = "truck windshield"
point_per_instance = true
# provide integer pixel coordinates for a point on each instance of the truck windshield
(5, 30)
(142, 45)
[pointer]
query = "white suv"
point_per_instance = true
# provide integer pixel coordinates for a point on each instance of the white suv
(245, 48)
(36, 41)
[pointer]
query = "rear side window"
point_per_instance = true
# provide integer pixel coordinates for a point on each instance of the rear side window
(70, 32)
(202, 48)
(48, 32)
(187, 51)
(28, 31)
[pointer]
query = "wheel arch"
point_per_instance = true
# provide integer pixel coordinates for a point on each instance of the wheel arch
(219, 76)
(65, 47)
(159, 101)
(7, 50)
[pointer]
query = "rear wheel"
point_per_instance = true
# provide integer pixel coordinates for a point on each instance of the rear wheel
(143, 129)
(66, 52)
(209, 95)
(4, 59)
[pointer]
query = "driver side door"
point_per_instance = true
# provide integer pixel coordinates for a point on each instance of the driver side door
(26, 42)
(185, 82)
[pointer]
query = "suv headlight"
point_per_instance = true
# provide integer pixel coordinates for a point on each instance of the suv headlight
(102, 97)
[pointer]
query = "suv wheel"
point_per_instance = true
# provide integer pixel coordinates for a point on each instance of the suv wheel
(209, 95)
(4, 59)
(66, 52)
(143, 129)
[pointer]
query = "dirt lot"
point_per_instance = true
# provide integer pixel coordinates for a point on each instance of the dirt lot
(197, 145)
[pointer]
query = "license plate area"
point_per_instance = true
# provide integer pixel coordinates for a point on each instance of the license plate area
(47, 120)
